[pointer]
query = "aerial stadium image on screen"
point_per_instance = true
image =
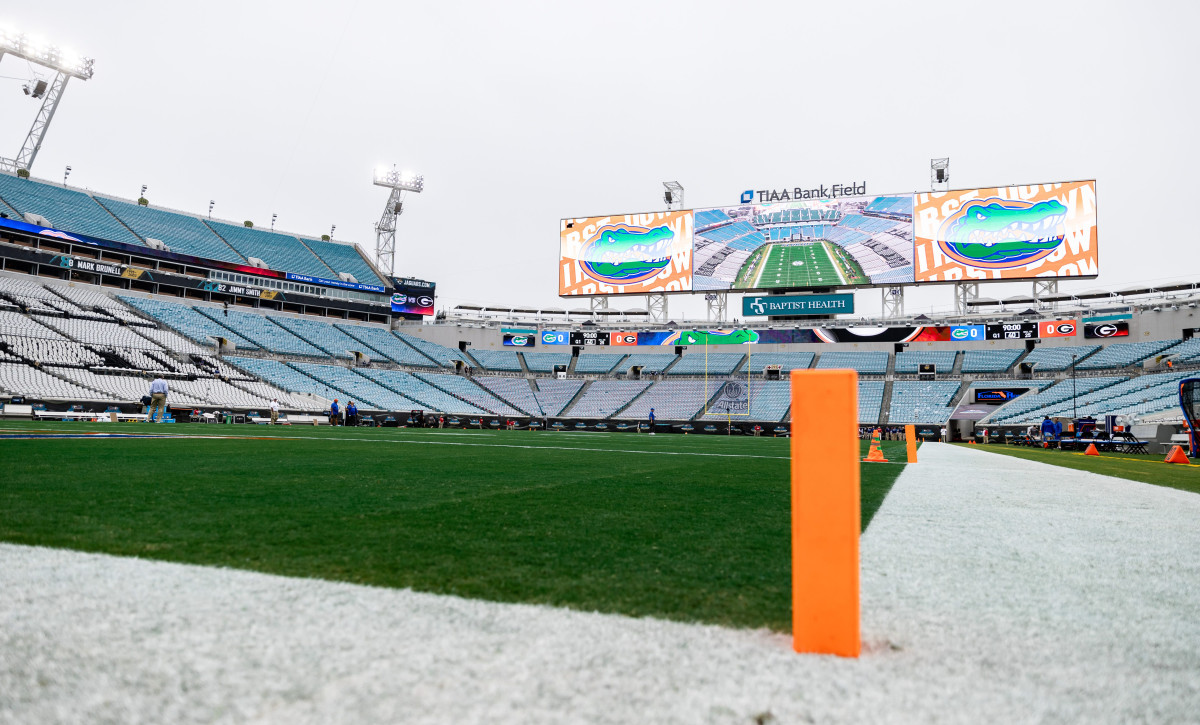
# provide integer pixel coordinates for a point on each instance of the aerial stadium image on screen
(819, 243)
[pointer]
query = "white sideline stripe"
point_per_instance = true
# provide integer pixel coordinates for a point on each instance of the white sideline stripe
(168, 436)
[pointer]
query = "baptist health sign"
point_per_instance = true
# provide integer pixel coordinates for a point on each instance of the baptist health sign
(779, 306)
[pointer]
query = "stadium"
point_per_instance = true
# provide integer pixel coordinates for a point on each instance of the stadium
(550, 512)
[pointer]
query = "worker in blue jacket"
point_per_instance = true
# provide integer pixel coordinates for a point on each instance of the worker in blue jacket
(1049, 432)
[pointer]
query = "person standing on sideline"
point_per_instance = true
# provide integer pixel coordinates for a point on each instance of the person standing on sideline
(158, 399)
(945, 439)
(275, 411)
(333, 413)
(650, 419)
(351, 414)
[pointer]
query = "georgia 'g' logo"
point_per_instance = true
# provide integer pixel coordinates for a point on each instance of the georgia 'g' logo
(425, 301)
(621, 254)
(1002, 233)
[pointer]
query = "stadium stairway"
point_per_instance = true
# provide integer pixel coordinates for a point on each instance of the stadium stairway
(120, 221)
(632, 400)
(524, 367)
(885, 410)
(889, 373)
(566, 410)
(956, 369)
(505, 400)
(485, 394)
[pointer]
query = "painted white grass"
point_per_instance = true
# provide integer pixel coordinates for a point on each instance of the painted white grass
(994, 589)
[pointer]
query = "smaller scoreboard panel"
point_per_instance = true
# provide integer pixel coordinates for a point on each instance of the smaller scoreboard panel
(1012, 331)
(589, 338)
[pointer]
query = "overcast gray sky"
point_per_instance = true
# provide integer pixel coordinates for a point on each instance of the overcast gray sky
(521, 113)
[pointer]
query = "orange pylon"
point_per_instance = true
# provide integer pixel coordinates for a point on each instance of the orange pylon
(875, 455)
(1091, 450)
(1176, 456)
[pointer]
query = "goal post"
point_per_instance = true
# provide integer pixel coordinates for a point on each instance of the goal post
(734, 399)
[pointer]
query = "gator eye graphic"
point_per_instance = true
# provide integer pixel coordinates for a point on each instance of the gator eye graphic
(1002, 234)
(958, 334)
(549, 338)
(399, 299)
(622, 254)
(520, 340)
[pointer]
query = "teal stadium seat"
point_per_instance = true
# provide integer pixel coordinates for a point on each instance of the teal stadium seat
(181, 233)
(281, 252)
(66, 209)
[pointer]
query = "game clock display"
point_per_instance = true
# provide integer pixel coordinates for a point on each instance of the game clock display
(1013, 331)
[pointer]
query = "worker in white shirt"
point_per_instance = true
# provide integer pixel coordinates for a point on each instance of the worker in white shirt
(274, 411)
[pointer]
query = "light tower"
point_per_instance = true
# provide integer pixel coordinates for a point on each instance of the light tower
(65, 64)
(385, 231)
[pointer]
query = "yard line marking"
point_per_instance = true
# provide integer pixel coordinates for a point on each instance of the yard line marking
(386, 440)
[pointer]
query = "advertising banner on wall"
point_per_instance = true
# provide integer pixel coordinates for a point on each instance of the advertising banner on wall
(631, 254)
(520, 338)
(833, 242)
(1013, 232)
(413, 296)
(1106, 329)
(788, 305)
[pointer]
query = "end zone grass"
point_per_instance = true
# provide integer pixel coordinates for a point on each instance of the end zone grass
(1147, 469)
(693, 528)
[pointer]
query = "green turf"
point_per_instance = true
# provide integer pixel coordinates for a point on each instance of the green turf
(807, 265)
(607, 522)
(1147, 469)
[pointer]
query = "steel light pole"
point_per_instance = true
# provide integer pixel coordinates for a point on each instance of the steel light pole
(1074, 409)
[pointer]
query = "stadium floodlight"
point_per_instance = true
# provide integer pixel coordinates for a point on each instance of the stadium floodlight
(66, 173)
(211, 204)
(939, 174)
(273, 218)
(385, 230)
(332, 229)
(673, 194)
(35, 50)
(65, 64)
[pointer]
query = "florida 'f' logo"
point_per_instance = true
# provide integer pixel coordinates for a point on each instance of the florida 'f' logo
(1002, 234)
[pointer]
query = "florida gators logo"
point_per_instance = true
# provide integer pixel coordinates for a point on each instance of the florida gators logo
(621, 254)
(1001, 233)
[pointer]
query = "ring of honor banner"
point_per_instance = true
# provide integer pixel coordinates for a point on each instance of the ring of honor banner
(1013, 232)
(632, 254)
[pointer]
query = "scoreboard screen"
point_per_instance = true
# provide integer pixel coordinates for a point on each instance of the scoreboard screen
(1013, 331)
(589, 338)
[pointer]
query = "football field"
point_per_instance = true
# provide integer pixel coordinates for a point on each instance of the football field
(692, 528)
(808, 265)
